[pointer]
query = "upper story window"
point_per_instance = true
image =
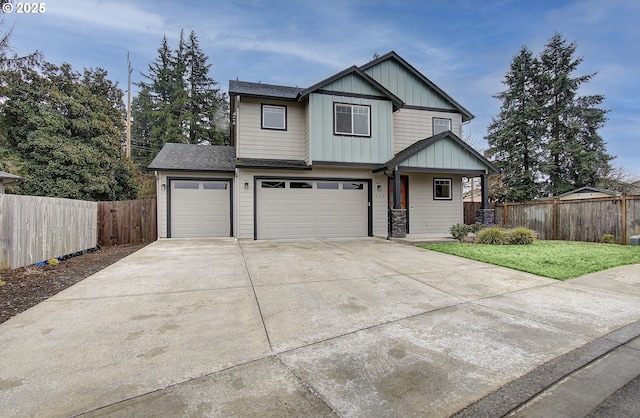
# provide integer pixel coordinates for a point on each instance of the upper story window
(352, 119)
(274, 117)
(441, 125)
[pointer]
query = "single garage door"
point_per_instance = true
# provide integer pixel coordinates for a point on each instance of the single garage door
(312, 208)
(200, 208)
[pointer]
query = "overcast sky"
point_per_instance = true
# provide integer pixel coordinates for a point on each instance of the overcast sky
(464, 46)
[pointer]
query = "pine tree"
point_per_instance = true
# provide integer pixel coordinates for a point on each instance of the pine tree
(575, 153)
(179, 102)
(515, 136)
(545, 138)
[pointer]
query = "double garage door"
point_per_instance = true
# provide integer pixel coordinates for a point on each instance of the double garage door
(311, 208)
(200, 208)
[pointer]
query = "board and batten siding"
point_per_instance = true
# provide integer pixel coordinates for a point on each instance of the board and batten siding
(325, 146)
(445, 153)
(353, 84)
(430, 216)
(409, 88)
(244, 220)
(412, 125)
(255, 142)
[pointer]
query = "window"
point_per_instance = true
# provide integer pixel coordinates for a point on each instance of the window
(352, 186)
(441, 125)
(442, 189)
(273, 184)
(215, 186)
(352, 120)
(186, 185)
(328, 186)
(274, 117)
(300, 185)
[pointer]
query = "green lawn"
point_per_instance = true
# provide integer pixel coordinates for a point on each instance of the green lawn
(556, 259)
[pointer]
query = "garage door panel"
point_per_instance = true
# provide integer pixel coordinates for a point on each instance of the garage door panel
(322, 209)
(200, 208)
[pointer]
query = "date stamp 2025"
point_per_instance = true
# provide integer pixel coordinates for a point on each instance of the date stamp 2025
(24, 8)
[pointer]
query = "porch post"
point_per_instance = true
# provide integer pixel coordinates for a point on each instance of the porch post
(398, 215)
(484, 185)
(397, 195)
(485, 215)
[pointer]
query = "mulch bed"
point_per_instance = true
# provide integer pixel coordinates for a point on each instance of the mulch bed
(28, 286)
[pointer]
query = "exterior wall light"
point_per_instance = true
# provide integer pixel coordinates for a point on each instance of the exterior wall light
(246, 184)
(163, 187)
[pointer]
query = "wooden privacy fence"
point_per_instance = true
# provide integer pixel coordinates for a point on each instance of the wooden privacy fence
(575, 220)
(469, 210)
(127, 222)
(34, 229)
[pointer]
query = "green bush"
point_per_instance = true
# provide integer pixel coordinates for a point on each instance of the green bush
(521, 236)
(460, 231)
(493, 235)
(607, 239)
(476, 227)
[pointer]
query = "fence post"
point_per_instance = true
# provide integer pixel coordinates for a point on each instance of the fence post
(555, 219)
(506, 214)
(624, 219)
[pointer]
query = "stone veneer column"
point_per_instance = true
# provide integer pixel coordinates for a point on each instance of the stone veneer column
(487, 217)
(398, 223)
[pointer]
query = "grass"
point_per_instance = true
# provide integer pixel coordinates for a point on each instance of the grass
(555, 259)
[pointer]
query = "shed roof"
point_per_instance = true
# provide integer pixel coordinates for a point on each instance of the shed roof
(191, 157)
(588, 189)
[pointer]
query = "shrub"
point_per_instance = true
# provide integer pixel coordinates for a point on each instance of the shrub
(521, 236)
(493, 235)
(607, 239)
(460, 231)
(476, 227)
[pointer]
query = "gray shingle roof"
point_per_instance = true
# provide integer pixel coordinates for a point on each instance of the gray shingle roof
(8, 178)
(189, 157)
(246, 88)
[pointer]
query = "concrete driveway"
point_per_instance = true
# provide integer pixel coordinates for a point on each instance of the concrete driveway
(353, 328)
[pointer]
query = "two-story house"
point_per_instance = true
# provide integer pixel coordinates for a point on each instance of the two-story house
(371, 151)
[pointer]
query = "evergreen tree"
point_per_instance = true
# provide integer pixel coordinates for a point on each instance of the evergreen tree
(179, 102)
(545, 138)
(67, 128)
(575, 153)
(515, 136)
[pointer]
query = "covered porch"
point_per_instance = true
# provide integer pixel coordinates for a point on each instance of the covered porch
(443, 159)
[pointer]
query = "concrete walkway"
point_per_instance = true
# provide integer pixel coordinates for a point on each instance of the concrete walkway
(350, 328)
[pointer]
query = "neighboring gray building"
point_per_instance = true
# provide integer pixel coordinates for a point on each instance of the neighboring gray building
(7, 179)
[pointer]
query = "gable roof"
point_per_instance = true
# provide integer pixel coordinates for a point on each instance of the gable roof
(588, 189)
(359, 73)
(259, 90)
(466, 115)
(416, 147)
(191, 157)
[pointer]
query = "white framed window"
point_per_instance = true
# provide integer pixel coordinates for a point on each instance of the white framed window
(442, 189)
(352, 119)
(274, 117)
(441, 125)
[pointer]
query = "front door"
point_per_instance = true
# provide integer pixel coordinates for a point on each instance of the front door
(404, 195)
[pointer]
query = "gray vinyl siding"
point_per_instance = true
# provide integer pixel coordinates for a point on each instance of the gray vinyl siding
(353, 84)
(244, 218)
(412, 125)
(255, 142)
(429, 216)
(325, 146)
(409, 88)
(447, 154)
(307, 151)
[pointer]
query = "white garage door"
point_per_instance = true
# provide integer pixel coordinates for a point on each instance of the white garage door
(200, 208)
(311, 209)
